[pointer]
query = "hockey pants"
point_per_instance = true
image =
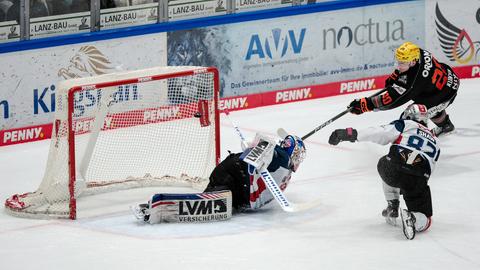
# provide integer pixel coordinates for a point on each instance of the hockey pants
(414, 188)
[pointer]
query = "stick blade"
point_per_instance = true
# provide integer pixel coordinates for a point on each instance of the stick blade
(408, 226)
(300, 207)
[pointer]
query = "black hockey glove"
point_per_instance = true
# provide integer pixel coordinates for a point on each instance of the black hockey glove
(392, 78)
(359, 106)
(340, 135)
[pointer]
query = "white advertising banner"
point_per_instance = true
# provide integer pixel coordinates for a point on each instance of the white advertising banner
(29, 78)
(295, 51)
(9, 31)
(129, 16)
(453, 31)
(60, 25)
(250, 5)
(184, 9)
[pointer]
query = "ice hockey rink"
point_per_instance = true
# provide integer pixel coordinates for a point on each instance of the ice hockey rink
(345, 230)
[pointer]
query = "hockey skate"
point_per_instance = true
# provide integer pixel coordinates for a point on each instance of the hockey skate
(391, 212)
(408, 224)
(444, 128)
(141, 212)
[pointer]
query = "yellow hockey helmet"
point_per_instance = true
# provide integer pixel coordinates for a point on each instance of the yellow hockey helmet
(407, 52)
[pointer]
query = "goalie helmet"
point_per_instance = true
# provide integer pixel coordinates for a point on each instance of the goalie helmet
(295, 148)
(416, 112)
(407, 52)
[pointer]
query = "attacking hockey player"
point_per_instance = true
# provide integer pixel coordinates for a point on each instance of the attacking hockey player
(418, 77)
(233, 183)
(406, 168)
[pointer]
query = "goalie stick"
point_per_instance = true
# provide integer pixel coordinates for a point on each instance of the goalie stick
(237, 130)
(272, 186)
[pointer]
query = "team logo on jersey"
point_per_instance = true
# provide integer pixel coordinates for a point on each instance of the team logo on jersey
(403, 79)
(455, 42)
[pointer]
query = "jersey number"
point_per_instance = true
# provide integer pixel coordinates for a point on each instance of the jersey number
(418, 143)
(439, 78)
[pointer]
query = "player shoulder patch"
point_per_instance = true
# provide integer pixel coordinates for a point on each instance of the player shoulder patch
(399, 125)
(400, 90)
(403, 79)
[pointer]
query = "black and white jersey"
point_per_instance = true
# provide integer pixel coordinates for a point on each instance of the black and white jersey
(405, 134)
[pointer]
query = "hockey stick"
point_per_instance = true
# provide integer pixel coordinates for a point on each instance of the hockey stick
(237, 130)
(315, 130)
(325, 124)
(269, 181)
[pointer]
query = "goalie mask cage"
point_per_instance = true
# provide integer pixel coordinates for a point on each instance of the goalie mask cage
(152, 127)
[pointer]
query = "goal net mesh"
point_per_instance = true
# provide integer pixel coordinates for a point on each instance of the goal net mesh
(144, 128)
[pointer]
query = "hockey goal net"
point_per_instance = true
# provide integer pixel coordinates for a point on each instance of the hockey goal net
(152, 127)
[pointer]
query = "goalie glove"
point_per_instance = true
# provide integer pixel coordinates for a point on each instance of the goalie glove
(359, 106)
(339, 135)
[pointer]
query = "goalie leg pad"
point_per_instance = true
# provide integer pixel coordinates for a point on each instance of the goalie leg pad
(189, 208)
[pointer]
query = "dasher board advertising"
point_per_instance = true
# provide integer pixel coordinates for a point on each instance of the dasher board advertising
(186, 9)
(311, 49)
(453, 31)
(60, 25)
(30, 78)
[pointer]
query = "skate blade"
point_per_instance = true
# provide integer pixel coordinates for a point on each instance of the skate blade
(408, 231)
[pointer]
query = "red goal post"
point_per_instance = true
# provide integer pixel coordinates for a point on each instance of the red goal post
(143, 128)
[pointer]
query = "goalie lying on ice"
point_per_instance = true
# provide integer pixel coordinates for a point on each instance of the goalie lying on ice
(233, 183)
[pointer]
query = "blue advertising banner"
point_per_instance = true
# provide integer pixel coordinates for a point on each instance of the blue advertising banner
(267, 55)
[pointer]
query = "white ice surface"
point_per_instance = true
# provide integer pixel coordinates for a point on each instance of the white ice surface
(346, 231)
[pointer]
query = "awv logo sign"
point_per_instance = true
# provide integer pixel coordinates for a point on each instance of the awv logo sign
(277, 44)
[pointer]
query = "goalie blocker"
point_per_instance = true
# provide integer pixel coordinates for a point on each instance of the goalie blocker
(186, 208)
